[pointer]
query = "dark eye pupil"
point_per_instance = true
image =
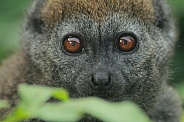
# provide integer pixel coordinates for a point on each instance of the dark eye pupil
(73, 43)
(125, 42)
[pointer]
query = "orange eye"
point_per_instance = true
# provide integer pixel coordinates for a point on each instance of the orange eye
(73, 45)
(126, 43)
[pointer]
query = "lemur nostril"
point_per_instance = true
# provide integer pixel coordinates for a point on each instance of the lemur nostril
(109, 81)
(93, 81)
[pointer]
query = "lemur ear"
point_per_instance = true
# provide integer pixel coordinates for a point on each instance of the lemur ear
(34, 20)
(163, 14)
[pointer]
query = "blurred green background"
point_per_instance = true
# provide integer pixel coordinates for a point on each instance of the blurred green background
(11, 18)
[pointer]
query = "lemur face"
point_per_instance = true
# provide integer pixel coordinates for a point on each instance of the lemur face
(101, 59)
(109, 49)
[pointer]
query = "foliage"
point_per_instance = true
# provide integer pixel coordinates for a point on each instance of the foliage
(34, 104)
(181, 90)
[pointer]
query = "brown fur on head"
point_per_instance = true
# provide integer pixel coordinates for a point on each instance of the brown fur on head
(97, 9)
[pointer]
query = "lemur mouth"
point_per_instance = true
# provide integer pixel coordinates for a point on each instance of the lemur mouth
(109, 96)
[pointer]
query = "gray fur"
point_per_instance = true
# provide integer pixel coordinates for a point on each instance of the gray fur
(139, 77)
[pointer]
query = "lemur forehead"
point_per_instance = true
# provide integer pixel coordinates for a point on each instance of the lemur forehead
(54, 10)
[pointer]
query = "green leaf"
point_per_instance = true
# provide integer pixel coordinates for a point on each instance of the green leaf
(38, 95)
(32, 99)
(34, 104)
(182, 119)
(18, 115)
(74, 109)
(113, 112)
(67, 111)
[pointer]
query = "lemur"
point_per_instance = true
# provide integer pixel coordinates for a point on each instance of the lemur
(118, 50)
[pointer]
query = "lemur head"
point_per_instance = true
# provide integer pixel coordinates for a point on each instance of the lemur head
(113, 49)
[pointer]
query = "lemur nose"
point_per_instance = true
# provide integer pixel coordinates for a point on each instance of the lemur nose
(101, 81)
